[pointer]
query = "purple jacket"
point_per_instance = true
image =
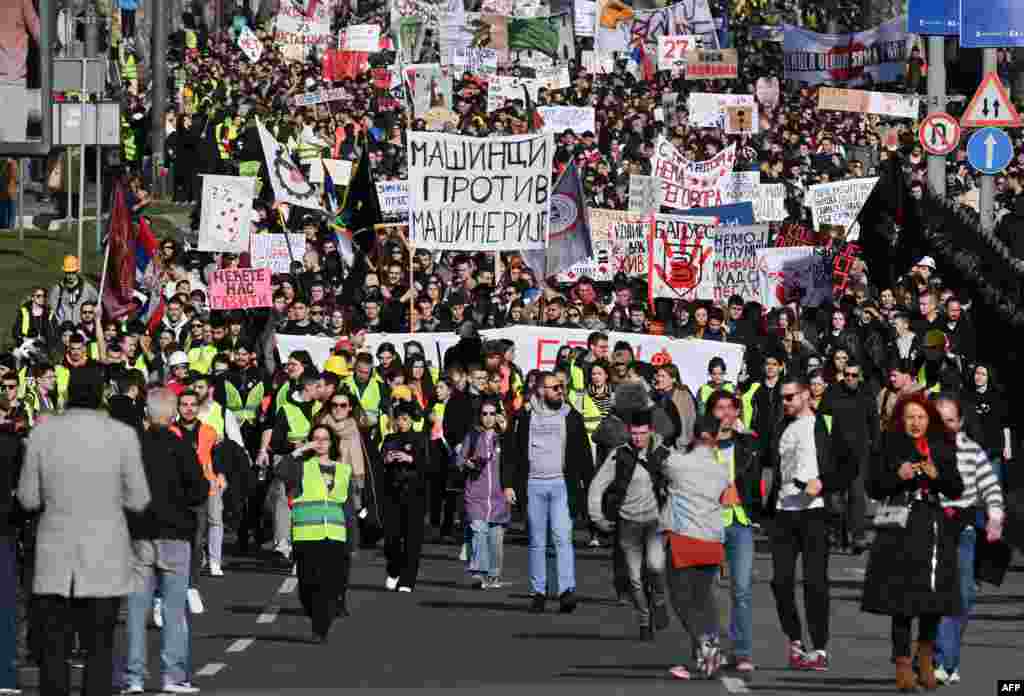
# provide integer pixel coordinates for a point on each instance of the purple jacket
(485, 500)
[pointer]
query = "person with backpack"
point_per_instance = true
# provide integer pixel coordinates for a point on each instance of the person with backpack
(630, 490)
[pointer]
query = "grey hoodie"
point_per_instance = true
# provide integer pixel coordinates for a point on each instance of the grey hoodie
(639, 503)
(547, 440)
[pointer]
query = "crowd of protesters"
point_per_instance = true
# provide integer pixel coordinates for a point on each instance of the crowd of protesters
(223, 442)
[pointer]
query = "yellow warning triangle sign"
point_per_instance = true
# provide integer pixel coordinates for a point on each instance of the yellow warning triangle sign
(991, 106)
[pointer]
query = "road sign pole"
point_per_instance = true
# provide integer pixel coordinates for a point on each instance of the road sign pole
(987, 199)
(937, 104)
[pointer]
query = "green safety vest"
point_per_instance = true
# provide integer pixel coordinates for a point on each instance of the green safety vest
(748, 404)
(298, 425)
(128, 141)
(233, 400)
(576, 377)
(319, 514)
(129, 70)
(249, 168)
(732, 513)
(706, 390)
(245, 412)
(370, 397)
(307, 152)
(585, 404)
(63, 380)
(26, 322)
(191, 41)
(922, 379)
(215, 419)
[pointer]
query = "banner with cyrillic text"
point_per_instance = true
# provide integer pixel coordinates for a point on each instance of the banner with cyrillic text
(876, 55)
(558, 119)
(838, 204)
(687, 184)
(864, 102)
(681, 258)
(276, 251)
(394, 199)
(619, 239)
(240, 288)
(794, 273)
(735, 263)
(479, 194)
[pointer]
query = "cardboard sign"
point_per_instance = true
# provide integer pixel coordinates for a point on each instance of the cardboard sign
(739, 120)
(672, 50)
(864, 102)
(712, 65)
(240, 288)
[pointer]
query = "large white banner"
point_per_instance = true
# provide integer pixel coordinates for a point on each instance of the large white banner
(480, 194)
(879, 54)
(226, 213)
(839, 204)
(558, 119)
(681, 262)
(537, 348)
(361, 37)
(770, 203)
(794, 272)
(295, 32)
(708, 184)
(276, 251)
(863, 102)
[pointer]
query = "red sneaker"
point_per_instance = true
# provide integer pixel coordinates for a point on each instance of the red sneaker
(815, 662)
(797, 657)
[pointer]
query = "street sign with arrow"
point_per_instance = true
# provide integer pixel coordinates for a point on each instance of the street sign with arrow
(989, 150)
(991, 106)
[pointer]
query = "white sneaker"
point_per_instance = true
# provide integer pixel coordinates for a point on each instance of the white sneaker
(195, 605)
(405, 589)
(10, 692)
(391, 583)
(180, 687)
(134, 689)
(954, 678)
(158, 612)
(295, 569)
(464, 553)
(941, 675)
(215, 570)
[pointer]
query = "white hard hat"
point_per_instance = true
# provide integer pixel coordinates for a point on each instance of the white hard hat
(178, 358)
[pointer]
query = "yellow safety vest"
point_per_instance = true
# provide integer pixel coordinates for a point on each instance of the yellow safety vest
(26, 322)
(585, 404)
(128, 141)
(922, 379)
(201, 358)
(298, 425)
(232, 398)
(191, 41)
(319, 514)
(215, 419)
(732, 513)
(747, 400)
(706, 390)
(370, 397)
(63, 380)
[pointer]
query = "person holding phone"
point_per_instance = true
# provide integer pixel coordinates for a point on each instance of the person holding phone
(318, 484)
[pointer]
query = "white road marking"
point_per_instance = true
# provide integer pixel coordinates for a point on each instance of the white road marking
(240, 645)
(269, 616)
(734, 685)
(288, 586)
(211, 669)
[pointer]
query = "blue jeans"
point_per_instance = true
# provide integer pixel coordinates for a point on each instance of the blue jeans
(485, 545)
(162, 564)
(547, 504)
(7, 209)
(952, 628)
(739, 553)
(8, 614)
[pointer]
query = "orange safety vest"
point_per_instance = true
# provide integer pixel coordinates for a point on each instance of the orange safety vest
(204, 451)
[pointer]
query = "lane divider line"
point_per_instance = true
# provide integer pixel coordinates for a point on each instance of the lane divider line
(210, 669)
(734, 685)
(269, 616)
(288, 586)
(240, 645)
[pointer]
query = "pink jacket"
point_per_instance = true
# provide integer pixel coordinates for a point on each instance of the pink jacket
(18, 19)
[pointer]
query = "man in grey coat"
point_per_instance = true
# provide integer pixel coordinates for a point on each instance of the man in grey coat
(82, 470)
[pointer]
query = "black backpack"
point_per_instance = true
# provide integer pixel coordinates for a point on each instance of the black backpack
(611, 500)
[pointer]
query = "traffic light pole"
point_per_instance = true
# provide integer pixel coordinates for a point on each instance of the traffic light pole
(987, 199)
(158, 129)
(937, 104)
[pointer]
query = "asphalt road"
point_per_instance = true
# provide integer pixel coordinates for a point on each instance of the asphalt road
(253, 638)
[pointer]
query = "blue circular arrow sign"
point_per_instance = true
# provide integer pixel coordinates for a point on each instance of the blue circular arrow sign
(989, 150)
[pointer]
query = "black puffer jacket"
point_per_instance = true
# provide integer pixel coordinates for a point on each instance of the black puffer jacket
(177, 484)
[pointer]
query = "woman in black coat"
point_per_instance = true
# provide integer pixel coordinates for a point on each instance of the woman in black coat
(912, 571)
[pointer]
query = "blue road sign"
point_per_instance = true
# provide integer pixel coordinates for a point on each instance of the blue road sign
(991, 23)
(989, 150)
(939, 17)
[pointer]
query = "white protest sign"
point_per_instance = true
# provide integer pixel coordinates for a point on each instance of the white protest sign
(839, 203)
(226, 211)
(394, 199)
(583, 17)
(709, 110)
(770, 203)
(735, 261)
(480, 194)
(672, 50)
(271, 251)
(688, 184)
(619, 240)
(361, 37)
(681, 263)
(321, 97)
(789, 272)
(502, 88)
(250, 44)
(340, 171)
(475, 60)
(597, 62)
(319, 347)
(537, 349)
(558, 119)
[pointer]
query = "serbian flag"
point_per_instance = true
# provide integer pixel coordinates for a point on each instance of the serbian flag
(146, 247)
(644, 61)
(120, 265)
